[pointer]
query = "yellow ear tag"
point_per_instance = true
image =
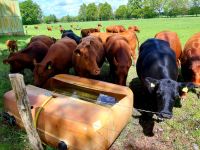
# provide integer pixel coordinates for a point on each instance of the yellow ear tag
(152, 85)
(49, 67)
(185, 89)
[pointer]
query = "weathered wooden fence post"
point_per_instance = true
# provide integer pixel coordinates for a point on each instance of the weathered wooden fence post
(17, 82)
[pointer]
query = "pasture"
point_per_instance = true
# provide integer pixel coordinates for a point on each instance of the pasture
(180, 132)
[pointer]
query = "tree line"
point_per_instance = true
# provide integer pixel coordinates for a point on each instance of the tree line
(104, 11)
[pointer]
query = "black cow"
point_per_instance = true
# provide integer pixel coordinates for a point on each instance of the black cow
(157, 69)
(70, 34)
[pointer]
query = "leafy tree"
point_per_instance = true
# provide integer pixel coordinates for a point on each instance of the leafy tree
(195, 7)
(82, 12)
(105, 11)
(67, 18)
(91, 12)
(50, 19)
(176, 7)
(134, 8)
(30, 12)
(156, 5)
(121, 12)
(148, 12)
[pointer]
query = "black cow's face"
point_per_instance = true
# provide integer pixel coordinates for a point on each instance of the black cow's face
(166, 92)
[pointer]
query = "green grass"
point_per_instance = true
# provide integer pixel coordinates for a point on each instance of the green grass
(181, 131)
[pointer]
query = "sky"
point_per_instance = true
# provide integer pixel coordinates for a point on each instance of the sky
(62, 8)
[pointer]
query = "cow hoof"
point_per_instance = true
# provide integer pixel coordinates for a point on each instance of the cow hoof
(62, 146)
(9, 119)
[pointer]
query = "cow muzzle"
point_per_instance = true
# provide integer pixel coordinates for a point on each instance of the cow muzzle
(165, 115)
(96, 72)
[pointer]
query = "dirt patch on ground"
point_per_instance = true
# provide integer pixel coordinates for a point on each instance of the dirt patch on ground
(133, 137)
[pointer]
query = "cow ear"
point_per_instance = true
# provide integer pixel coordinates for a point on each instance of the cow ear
(77, 52)
(49, 65)
(186, 86)
(151, 84)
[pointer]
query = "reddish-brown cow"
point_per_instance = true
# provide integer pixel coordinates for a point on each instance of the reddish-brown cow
(49, 28)
(24, 59)
(61, 29)
(115, 29)
(173, 40)
(58, 60)
(86, 32)
(119, 57)
(129, 35)
(36, 26)
(99, 25)
(12, 45)
(190, 61)
(43, 38)
(89, 57)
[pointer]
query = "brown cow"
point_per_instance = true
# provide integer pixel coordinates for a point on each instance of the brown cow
(99, 25)
(24, 59)
(134, 28)
(190, 60)
(119, 57)
(89, 57)
(173, 40)
(58, 60)
(49, 28)
(36, 26)
(129, 35)
(12, 45)
(61, 29)
(115, 29)
(43, 38)
(86, 32)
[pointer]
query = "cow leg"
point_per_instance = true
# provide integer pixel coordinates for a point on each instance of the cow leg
(147, 123)
(111, 74)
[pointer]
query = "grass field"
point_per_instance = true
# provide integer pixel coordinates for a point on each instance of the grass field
(180, 132)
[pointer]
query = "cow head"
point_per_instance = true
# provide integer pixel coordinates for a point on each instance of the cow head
(18, 62)
(42, 72)
(166, 91)
(121, 72)
(86, 58)
(134, 28)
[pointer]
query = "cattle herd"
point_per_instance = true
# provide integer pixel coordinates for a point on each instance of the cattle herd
(157, 63)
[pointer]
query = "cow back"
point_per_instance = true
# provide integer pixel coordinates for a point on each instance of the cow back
(42, 38)
(173, 40)
(119, 57)
(71, 35)
(157, 60)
